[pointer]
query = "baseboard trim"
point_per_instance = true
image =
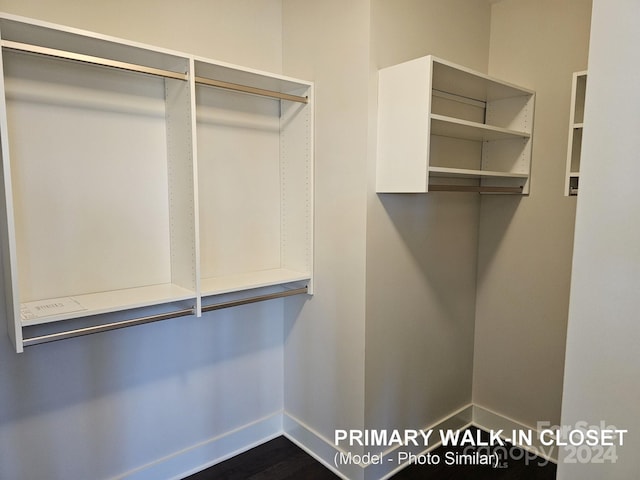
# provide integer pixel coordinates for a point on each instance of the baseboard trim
(323, 449)
(489, 420)
(210, 452)
(318, 446)
(222, 447)
(457, 420)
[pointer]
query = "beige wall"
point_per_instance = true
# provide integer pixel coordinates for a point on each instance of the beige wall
(421, 249)
(328, 42)
(243, 32)
(525, 244)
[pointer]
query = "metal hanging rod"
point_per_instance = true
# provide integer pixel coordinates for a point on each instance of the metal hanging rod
(253, 90)
(258, 298)
(79, 332)
(132, 67)
(473, 188)
(53, 337)
(79, 57)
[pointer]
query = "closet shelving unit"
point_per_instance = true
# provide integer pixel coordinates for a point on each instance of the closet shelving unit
(444, 127)
(142, 184)
(576, 124)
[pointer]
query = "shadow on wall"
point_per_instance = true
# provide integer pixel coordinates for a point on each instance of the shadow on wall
(62, 374)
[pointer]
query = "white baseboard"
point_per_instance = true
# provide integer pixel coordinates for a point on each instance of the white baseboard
(457, 420)
(323, 449)
(489, 420)
(215, 450)
(319, 447)
(210, 452)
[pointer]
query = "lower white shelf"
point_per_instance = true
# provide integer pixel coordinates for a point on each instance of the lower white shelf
(65, 308)
(470, 173)
(249, 280)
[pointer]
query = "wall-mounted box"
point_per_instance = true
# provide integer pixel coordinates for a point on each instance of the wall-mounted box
(442, 125)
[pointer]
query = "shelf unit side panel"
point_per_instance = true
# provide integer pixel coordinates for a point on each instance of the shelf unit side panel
(513, 113)
(180, 168)
(404, 104)
(8, 240)
(507, 155)
(94, 215)
(457, 107)
(238, 182)
(296, 164)
(454, 153)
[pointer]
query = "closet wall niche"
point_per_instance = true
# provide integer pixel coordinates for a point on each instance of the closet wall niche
(137, 177)
(576, 124)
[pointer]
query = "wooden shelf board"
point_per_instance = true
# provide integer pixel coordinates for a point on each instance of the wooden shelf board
(249, 280)
(105, 302)
(469, 173)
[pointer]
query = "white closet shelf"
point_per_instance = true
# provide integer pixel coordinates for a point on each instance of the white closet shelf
(457, 128)
(578, 125)
(249, 280)
(471, 173)
(76, 306)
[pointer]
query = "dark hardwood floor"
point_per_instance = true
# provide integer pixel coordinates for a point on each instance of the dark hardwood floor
(280, 459)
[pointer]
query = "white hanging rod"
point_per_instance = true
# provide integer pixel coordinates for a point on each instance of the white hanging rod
(79, 57)
(474, 189)
(79, 332)
(253, 90)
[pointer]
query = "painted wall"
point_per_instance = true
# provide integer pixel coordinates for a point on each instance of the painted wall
(525, 244)
(602, 374)
(421, 249)
(328, 42)
(100, 406)
(243, 32)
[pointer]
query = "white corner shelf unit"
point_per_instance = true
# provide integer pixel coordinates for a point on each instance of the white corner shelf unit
(137, 177)
(442, 126)
(576, 123)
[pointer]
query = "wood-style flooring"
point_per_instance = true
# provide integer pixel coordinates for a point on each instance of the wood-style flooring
(280, 459)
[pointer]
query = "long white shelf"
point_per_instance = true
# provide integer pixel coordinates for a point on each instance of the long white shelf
(75, 306)
(458, 128)
(249, 280)
(471, 173)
